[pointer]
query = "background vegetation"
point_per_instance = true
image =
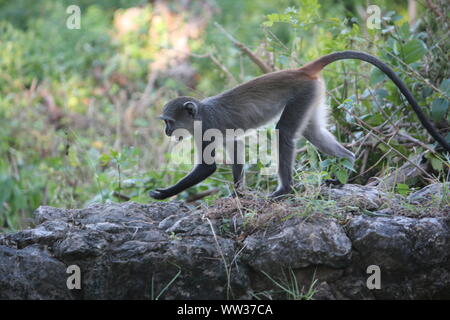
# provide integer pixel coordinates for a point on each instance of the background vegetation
(78, 107)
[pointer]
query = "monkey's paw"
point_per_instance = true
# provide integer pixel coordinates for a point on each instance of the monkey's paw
(159, 194)
(236, 194)
(280, 194)
(332, 182)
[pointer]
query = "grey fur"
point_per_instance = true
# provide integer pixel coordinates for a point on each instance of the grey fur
(289, 94)
(326, 142)
(295, 94)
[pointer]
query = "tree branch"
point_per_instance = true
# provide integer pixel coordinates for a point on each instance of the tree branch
(244, 49)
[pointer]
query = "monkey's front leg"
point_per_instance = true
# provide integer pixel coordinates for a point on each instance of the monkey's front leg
(238, 179)
(200, 173)
(238, 175)
(236, 152)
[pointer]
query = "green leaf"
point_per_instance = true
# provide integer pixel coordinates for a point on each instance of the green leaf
(376, 76)
(73, 158)
(403, 31)
(436, 164)
(347, 164)
(139, 122)
(325, 163)
(445, 86)
(114, 153)
(397, 17)
(104, 159)
(6, 186)
(375, 119)
(439, 108)
(414, 50)
(381, 93)
(402, 189)
(426, 92)
(342, 176)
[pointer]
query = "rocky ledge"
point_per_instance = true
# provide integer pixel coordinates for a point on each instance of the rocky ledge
(237, 249)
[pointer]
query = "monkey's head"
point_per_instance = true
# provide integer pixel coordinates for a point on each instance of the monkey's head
(180, 113)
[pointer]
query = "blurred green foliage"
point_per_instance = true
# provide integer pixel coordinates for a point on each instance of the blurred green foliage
(66, 95)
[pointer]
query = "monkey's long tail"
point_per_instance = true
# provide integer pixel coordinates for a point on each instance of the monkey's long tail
(316, 66)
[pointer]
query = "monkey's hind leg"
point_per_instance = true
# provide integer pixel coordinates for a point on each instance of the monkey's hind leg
(316, 132)
(294, 117)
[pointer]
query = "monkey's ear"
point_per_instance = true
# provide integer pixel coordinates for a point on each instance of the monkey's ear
(191, 108)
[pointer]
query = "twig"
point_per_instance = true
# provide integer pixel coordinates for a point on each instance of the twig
(365, 157)
(366, 126)
(287, 50)
(216, 62)
(433, 8)
(54, 113)
(121, 196)
(371, 167)
(201, 195)
(261, 64)
(415, 141)
(373, 132)
(222, 67)
(408, 170)
(410, 71)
